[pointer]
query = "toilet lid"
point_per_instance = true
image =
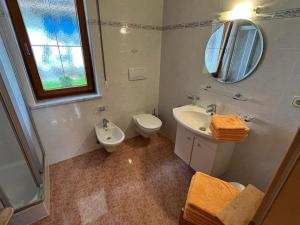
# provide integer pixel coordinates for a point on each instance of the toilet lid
(148, 121)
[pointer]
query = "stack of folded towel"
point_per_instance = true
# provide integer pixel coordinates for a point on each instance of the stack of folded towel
(211, 201)
(206, 198)
(228, 128)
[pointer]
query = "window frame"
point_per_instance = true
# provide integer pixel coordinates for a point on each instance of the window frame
(30, 64)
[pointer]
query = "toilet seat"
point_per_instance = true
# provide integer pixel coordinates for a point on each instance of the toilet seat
(148, 121)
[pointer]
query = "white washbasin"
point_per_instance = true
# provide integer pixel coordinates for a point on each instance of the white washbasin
(193, 118)
(110, 137)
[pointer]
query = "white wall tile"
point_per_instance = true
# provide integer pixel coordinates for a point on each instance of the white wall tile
(179, 11)
(133, 11)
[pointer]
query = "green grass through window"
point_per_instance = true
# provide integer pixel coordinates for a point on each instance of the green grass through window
(64, 83)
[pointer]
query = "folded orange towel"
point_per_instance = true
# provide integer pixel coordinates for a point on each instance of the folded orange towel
(229, 131)
(227, 136)
(229, 122)
(202, 201)
(228, 128)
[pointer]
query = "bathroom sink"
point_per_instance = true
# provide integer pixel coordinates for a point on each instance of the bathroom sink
(193, 118)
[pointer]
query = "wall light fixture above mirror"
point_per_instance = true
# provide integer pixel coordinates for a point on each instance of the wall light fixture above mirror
(234, 51)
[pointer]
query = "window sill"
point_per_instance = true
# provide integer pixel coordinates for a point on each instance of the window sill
(64, 101)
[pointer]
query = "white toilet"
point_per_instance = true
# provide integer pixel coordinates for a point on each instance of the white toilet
(147, 124)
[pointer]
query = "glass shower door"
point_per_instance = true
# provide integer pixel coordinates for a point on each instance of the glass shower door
(21, 153)
(17, 186)
(12, 94)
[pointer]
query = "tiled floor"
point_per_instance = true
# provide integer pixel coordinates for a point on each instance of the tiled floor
(143, 183)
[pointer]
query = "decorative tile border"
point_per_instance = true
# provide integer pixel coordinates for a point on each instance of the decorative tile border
(281, 14)
(204, 23)
(124, 24)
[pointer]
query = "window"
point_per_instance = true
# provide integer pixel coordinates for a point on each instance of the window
(53, 39)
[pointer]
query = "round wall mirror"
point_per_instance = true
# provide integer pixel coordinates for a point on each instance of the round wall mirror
(234, 50)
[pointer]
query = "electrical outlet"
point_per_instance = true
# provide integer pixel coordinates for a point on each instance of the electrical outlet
(296, 101)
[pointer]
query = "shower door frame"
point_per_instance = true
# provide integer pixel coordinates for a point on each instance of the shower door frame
(4, 199)
(6, 203)
(36, 165)
(28, 153)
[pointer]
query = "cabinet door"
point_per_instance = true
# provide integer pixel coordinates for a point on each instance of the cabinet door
(184, 144)
(203, 155)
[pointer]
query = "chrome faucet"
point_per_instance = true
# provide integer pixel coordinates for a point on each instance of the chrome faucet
(212, 108)
(105, 122)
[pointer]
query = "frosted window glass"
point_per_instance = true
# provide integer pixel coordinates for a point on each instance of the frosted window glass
(73, 65)
(53, 30)
(66, 22)
(49, 66)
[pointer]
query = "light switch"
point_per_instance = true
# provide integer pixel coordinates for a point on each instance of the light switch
(136, 73)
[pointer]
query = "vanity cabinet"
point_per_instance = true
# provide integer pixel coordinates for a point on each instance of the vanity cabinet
(203, 154)
(184, 144)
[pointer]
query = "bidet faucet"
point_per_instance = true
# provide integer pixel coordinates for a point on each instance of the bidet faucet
(212, 108)
(105, 122)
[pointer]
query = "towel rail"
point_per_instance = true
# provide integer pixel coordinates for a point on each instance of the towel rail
(235, 96)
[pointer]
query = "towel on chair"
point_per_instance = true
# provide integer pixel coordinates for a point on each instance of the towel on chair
(206, 198)
(211, 201)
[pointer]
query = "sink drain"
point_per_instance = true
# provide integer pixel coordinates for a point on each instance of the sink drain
(108, 138)
(202, 128)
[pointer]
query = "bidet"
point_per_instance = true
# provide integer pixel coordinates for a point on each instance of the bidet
(109, 135)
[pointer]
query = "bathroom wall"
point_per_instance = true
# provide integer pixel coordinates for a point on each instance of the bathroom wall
(271, 87)
(68, 130)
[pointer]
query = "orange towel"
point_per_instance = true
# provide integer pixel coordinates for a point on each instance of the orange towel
(232, 133)
(229, 131)
(202, 202)
(227, 136)
(229, 122)
(228, 128)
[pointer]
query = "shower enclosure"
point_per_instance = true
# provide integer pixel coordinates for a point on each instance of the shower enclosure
(21, 153)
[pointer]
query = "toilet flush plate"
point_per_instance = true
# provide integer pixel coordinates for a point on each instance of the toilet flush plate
(137, 73)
